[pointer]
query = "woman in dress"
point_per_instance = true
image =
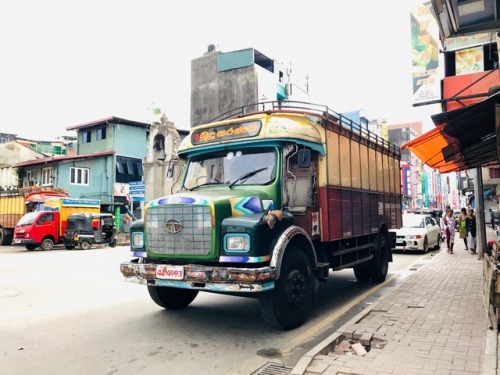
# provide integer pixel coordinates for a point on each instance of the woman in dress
(462, 226)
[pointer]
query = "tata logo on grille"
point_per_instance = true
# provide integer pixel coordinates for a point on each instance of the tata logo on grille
(174, 226)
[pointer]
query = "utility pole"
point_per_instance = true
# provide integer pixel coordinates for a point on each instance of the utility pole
(480, 219)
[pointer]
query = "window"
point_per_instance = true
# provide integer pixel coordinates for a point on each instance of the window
(101, 133)
(86, 137)
(30, 178)
(494, 172)
(47, 176)
(128, 169)
(79, 176)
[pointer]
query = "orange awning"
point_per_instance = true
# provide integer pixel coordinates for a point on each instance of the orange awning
(464, 138)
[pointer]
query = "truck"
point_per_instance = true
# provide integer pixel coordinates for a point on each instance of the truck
(16, 202)
(46, 228)
(270, 202)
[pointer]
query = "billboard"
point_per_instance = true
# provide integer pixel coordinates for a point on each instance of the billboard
(425, 54)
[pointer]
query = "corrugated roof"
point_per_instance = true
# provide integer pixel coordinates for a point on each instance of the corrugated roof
(107, 120)
(51, 159)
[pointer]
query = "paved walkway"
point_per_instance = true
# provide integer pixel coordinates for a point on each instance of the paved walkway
(434, 322)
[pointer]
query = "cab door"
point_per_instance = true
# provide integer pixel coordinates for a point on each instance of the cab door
(47, 225)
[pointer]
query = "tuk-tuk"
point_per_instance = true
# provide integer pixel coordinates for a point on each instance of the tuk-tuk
(85, 229)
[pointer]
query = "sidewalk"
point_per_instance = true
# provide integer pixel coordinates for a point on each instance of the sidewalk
(434, 322)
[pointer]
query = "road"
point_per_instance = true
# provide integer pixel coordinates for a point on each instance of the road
(70, 312)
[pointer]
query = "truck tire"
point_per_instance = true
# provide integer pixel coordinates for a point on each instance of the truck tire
(380, 261)
(171, 298)
(85, 245)
(287, 305)
(5, 237)
(362, 272)
(47, 244)
(113, 243)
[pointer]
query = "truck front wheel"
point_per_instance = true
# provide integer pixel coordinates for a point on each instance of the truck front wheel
(287, 305)
(380, 261)
(5, 236)
(171, 298)
(47, 244)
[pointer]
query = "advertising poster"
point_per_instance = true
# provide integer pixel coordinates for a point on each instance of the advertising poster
(470, 60)
(425, 54)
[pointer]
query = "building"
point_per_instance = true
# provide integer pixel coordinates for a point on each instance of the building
(109, 154)
(223, 81)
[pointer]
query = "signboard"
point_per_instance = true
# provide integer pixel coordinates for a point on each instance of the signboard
(136, 190)
(226, 132)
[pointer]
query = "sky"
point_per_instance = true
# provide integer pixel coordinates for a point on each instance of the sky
(65, 63)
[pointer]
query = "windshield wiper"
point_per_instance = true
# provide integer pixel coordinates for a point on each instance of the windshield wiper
(205, 184)
(246, 176)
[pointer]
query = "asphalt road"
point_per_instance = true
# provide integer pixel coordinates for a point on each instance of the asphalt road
(70, 312)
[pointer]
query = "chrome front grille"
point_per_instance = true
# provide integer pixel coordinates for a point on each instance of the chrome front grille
(193, 228)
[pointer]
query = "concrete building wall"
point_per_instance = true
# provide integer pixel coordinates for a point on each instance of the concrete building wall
(214, 92)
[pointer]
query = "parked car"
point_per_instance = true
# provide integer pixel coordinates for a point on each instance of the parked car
(419, 232)
(437, 214)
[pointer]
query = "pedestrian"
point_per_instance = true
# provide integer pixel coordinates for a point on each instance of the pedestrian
(462, 226)
(492, 219)
(471, 230)
(450, 230)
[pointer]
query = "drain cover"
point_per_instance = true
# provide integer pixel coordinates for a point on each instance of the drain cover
(274, 369)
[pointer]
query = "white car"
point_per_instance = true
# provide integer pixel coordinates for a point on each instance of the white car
(418, 233)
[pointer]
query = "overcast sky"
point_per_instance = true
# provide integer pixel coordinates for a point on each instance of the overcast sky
(63, 63)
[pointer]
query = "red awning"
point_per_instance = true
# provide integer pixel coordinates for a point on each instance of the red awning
(464, 138)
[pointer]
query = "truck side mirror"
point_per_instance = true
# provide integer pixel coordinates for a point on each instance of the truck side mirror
(304, 158)
(170, 170)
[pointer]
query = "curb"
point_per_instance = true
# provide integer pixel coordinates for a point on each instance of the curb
(324, 346)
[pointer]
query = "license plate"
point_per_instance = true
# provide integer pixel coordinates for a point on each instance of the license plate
(16, 241)
(169, 272)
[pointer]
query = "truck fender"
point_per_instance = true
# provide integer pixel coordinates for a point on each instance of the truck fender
(298, 237)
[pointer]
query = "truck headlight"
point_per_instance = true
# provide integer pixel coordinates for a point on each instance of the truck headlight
(237, 242)
(137, 240)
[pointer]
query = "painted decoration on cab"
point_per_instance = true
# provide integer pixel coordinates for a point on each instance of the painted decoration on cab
(176, 199)
(245, 205)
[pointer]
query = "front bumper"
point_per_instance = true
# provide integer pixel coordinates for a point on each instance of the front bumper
(201, 277)
(408, 245)
(24, 242)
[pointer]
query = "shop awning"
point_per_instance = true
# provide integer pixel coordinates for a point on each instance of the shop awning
(464, 138)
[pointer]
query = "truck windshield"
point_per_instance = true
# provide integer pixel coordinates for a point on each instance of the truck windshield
(225, 168)
(28, 218)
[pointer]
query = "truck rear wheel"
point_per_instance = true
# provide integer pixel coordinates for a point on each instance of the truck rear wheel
(287, 305)
(362, 272)
(380, 261)
(47, 244)
(171, 298)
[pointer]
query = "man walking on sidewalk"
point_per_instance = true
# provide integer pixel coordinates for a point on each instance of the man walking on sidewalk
(471, 230)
